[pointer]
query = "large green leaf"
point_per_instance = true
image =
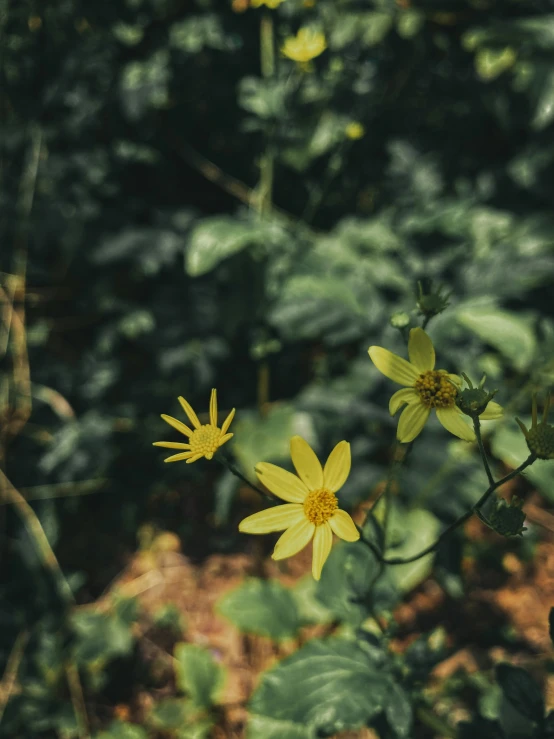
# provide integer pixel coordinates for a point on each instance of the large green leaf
(509, 333)
(262, 727)
(398, 711)
(262, 607)
(346, 581)
(330, 684)
(216, 238)
(198, 674)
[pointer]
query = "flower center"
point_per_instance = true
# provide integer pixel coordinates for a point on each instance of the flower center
(204, 440)
(435, 389)
(320, 505)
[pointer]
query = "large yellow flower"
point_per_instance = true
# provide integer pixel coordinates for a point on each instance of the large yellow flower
(312, 508)
(204, 440)
(305, 46)
(425, 388)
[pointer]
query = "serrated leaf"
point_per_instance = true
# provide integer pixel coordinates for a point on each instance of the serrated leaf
(262, 607)
(198, 674)
(521, 691)
(330, 685)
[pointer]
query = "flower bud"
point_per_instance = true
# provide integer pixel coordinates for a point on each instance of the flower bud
(473, 400)
(540, 437)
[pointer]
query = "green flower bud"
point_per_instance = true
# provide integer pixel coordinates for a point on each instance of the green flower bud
(400, 320)
(540, 437)
(473, 400)
(505, 518)
(429, 301)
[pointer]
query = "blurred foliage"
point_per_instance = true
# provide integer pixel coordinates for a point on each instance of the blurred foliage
(133, 133)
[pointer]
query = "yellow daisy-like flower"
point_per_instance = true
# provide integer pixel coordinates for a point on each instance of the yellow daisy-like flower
(425, 388)
(204, 440)
(272, 4)
(311, 511)
(305, 46)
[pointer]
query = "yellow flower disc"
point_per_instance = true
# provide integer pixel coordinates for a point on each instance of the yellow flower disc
(205, 440)
(435, 390)
(320, 505)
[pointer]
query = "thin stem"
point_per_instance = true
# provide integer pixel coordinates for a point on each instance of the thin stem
(39, 538)
(477, 429)
(267, 63)
(223, 459)
(456, 524)
(12, 668)
(77, 699)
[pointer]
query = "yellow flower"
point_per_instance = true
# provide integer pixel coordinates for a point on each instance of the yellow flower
(540, 437)
(312, 508)
(204, 440)
(425, 388)
(354, 131)
(305, 46)
(272, 4)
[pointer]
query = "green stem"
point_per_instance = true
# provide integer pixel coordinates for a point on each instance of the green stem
(457, 523)
(477, 428)
(267, 63)
(223, 459)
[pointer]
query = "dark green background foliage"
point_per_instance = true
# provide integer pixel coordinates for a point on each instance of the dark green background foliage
(131, 139)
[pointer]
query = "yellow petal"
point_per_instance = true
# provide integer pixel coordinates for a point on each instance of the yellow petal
(323, 540)
(213, 407)
(492, 411)
(294, 539)
(411, 422)
(454, 421)
(344, 526)
(284, 484)
(224, 438)
(179, 457)
(194, 458)
(278, 518)
(393, 366)
(337, 467)
(190, 413)
(420, 350)
(400, 397)
(171, 444)
(227, 421)
(177, 425)
(306, 463)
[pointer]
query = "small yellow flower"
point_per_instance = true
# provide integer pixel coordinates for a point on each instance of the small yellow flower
(272, 4)
(540, 437)
(311, 511)
(425, 388)
(305, 46)
(354, 131)
(204, 440)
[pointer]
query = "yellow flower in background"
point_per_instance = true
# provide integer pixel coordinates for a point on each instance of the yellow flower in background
(425, 388)
(311, 511)
(272, 4)
(354, 131)
(204, 440)
(305, 46)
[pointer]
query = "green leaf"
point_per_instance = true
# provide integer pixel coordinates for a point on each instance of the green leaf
(398, 711)
(262, 607)
(521, 691)
(217, 238)
(198, 674)
(346, 581)
(122, 730)
(330, 685)
(170, 713)
(416, 529)
(201, 729)
(265, 98)
(262, 727)
(310, 608)
(507, 332)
